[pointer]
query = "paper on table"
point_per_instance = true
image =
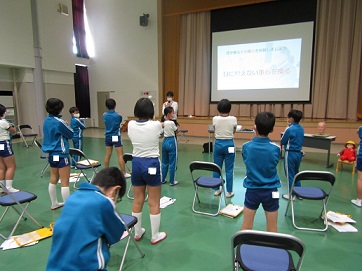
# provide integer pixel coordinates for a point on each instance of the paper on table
(166, 201)
(343, 227)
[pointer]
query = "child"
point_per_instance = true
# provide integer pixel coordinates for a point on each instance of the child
(144, 134)
(349, 152)
(169, 147)
(292, 140)
(261, 157)
(7, 158)
(170, 102)
(89, 234)
(78, 126)
(113, 120)
(55, 142)
(224, 149)
(358, 201)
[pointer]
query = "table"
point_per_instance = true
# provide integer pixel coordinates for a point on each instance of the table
(319, 142)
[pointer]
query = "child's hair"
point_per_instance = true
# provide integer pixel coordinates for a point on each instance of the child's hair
(297, 115)
(110, 177)
(169, 94)
(224, 106)
(73, 109)
(2, 110)
(110, 104)
(144, 109)
(167, 110)
(265, 122)
(54, 106)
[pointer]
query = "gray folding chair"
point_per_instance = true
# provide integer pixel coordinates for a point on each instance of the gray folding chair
(25, 132)
(258, 250)
(311, 189)
(43, 156)
(206, 182)
(19, 201)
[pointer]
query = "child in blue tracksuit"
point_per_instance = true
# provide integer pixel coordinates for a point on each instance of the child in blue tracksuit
(169, 146)
(113, 120)
(55, 142)
(292, 140)
(89, 224)
(77, 126)
(224, 149)
(261, 157)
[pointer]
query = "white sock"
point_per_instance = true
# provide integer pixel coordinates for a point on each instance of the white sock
(52, 188)
(9, 184)
(155, 225)
(65, 192)
(138, 226)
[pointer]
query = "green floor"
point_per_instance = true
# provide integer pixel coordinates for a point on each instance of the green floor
(194, 242)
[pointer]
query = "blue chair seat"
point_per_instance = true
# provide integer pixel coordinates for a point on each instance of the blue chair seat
(209, 182)
(21, 197)
(265, 258)
(309, 193)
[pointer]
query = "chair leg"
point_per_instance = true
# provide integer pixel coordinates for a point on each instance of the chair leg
(44, 169)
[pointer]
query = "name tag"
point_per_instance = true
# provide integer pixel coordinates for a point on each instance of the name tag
(152, 170)
(56, 158)
(231, 149)
(114, 138)
(275, 195)
(2, 147)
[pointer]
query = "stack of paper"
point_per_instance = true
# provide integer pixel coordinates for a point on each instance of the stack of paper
(86, 163)
(340, 222)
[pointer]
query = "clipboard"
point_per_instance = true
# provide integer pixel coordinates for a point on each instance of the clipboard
(86, 163)
(232, 210)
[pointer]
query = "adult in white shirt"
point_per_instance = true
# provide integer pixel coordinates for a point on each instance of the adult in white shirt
(170, 103)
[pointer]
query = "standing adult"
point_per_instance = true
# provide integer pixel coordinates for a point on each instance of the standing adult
(170, 103)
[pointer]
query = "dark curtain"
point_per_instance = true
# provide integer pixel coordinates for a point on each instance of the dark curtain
(79, 29)
(82, 97)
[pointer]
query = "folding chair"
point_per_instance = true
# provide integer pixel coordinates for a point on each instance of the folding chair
(19, 201)
(43, 155)
(340, 162)
(26, 131)
(127, 157)
(129, 222)
(183, 136)
(206, 182)
(89, 164)
(312, 192)
(258, 250)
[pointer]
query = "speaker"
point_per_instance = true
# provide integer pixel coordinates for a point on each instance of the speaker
(144, 19)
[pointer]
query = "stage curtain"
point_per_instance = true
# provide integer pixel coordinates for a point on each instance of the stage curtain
(79, 28)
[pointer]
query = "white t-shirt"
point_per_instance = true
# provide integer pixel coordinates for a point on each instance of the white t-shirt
(4, 130)
(173, 104)
(169, 128)
(144, 136)
(224, 126)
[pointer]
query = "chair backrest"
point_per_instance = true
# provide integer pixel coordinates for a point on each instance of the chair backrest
(78, 152)
(211, 128)
(269, 239)
(25, 126)
(127, 157)
(208, 166)
(310, 175)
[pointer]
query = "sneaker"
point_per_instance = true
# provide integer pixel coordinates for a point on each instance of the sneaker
(217, 192)
(12, 189)
(229, 194)
(286, 196)
(164, 181)
(174, 183)
(56, 206)
(138, 237)
(357, 202)
(161, 236)
(127, 175)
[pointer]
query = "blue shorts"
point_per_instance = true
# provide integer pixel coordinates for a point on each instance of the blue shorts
(255, 197)
(63, 162)
(110, 143)
(6, 148)
(146, 171)
(359, 164)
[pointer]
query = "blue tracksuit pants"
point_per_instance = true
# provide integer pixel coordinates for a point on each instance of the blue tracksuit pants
(292, 160)
(169, 157)
(224, 150)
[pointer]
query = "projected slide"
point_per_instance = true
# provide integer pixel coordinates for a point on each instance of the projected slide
(269, 64)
